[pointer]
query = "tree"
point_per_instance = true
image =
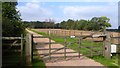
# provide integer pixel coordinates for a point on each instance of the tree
(100, 23)
(70, 24)
(96, 23)
(104, 22)
(82, 24)
(11, 21)
(63, 24)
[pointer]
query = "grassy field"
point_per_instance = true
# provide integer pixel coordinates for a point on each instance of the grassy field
(110, 63)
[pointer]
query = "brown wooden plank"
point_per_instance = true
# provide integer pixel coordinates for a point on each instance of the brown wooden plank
(43, 43)
(11, 38)
(12, 44)
(45, 54)
(48, 48)
(60, 56)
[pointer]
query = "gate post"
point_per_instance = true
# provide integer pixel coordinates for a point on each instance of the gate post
(29, 49)
(49, 47)
(22, 48)
(65, 41)
(107, 46)
(79, 45)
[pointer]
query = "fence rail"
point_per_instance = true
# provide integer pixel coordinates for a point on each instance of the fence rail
(11, 38)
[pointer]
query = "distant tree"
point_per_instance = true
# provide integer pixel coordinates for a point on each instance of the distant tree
(119, 27)
(70, 24)
(63, 24)
(57, 25)
(100, 23)
(104, 22)
(83, 24)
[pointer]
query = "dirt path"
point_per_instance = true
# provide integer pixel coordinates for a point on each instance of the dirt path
(76, 61)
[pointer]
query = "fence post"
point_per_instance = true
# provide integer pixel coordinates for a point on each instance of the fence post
(65, 47)
(107, 46)
(29, 49)
(65, 32)
(26, 49)
(49, 48)
(21, 48)
(79, 46)
(118, 49)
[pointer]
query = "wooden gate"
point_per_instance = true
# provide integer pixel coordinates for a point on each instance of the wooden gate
(46, 49)
(12, 51)
(49, 50)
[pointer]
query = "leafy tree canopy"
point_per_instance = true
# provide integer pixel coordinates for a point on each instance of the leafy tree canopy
(11, 21)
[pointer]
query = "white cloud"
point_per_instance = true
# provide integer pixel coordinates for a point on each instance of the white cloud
(33, 11)
(87, 12)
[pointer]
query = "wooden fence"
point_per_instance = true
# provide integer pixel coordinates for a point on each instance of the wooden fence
(12, 51)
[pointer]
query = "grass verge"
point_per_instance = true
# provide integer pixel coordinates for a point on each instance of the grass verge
(37, 62)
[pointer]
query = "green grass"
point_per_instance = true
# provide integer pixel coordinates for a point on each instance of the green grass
(106, 62)
(41, 33)
(37, 61)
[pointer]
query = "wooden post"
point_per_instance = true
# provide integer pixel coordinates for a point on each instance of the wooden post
(54, 32)
(107, 47)
(118, 48)
(65, 32)
(79, 46)
(91, 51)
(29, 49)
(62, 33)
(21, 48)
(74, 32)
(49, 48)
(81, 33)
(65, 47)
(69, 32)
(26, 48)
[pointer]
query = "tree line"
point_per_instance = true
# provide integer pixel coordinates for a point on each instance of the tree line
(96, 23)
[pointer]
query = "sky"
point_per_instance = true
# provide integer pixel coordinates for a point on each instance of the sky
(33, 10)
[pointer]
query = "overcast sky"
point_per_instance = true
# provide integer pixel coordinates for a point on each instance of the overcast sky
(59, 11)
